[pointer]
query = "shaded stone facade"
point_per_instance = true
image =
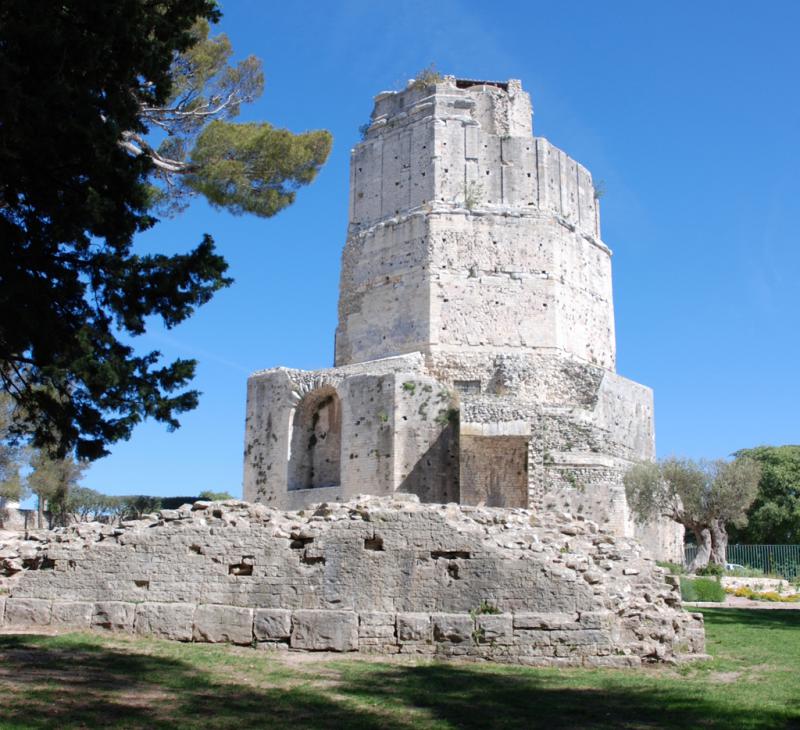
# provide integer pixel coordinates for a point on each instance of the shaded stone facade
(475, 350)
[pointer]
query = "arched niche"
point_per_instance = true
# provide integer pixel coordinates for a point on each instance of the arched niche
(316, 441)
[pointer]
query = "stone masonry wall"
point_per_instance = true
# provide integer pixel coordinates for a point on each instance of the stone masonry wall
(467, 232)
(377, 574)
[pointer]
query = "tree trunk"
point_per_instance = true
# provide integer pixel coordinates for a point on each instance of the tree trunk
(719, 542)
(39, 511)
(703, 537)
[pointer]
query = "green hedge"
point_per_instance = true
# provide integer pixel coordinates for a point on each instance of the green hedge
(702, 589)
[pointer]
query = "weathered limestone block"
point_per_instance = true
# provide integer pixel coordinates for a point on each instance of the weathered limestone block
(27, 612)
(2, 611)
(580, 637)
(452, 627)
(113, 615)
(376, 625)
(613, 661)
(272, 624)
(72, 614)
(595, 619)
(494, 629)
(324, 630)
(217, 624)
(526, 638)
(413, 627)
(693, 638)
(546, 621)
(165, 620)
(377, 633)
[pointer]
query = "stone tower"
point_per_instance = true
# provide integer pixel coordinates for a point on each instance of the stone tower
(475, 353)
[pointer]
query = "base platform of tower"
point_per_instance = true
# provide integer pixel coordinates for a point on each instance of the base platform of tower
(475, 350)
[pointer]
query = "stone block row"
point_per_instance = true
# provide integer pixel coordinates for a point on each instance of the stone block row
(530, 638)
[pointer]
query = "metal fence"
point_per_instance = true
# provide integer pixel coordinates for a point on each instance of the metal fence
(783, 560)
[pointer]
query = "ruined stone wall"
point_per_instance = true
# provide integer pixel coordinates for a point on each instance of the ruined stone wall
(373, 575)
(397, 432)
(406, 430)
(14, 518)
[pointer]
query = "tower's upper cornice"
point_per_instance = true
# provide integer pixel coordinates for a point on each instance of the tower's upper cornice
(499, 107)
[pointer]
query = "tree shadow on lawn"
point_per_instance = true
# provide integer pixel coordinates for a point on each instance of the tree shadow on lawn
(761, 618)
(471, 698)
(77, 683)
(86, 685)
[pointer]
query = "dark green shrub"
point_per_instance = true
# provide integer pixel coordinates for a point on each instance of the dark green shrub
(711, 569)
(702, 589)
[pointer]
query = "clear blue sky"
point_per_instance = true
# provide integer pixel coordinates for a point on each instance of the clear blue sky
(690, 113)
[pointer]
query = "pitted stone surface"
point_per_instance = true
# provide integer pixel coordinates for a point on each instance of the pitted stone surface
(72, 615)
(324, 630)
(164, 620)
(27, 612)
(272, 624)
(377, 574)
(216, 623)
(113, 615)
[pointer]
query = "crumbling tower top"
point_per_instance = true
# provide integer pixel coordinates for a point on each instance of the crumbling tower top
(467, 233)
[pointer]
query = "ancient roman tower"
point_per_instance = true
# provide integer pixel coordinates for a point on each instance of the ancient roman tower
(475, 352)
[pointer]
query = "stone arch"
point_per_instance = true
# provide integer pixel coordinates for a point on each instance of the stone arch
(316, 440)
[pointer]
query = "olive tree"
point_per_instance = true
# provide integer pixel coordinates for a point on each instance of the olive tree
(703, 496)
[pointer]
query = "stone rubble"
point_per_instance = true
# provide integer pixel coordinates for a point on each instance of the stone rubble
(385, 575)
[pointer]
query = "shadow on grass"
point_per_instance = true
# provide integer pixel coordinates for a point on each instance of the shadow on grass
(48, 683)
(762, 618)
(463, 697)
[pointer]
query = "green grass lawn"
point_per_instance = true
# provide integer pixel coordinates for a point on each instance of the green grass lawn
(96, 681)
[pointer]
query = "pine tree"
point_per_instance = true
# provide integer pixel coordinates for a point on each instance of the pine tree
(110, 112)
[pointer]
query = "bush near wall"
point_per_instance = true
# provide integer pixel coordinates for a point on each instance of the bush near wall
(702, 589)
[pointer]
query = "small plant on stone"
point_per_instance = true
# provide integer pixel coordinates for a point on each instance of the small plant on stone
(473, 194)
(410, 387)
(673, 568)
(478, 635)
(447, 416)
(484, 608)
(428, 76)
(599, 189)
(573, 481)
